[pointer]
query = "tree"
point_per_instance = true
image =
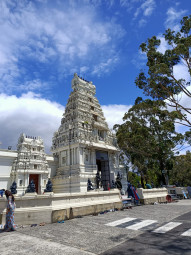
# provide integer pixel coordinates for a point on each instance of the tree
(188, 137)
(148, 137)
(160, 82)
(181, 172)
(134, 179)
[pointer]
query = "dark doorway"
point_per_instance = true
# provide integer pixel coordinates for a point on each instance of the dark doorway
(102, 162)
(35, 178)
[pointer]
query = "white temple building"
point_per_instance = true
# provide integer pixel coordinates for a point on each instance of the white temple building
(83, 144)
(82, 147)
(29, 162)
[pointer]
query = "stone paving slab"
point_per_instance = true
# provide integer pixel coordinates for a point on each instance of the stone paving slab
(86, 235)
(20, 244)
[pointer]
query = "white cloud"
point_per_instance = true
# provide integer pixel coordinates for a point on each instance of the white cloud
(104, 66)
(115, 113)
(142, 12)
(146, 8)
(163, 44)
(173, 18)
(34, 116)
(52, 34)
(181, 71)
(128, 4)
(29, 114)
(142, 22)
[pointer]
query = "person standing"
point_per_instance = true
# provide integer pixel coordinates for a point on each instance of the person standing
(10, 218)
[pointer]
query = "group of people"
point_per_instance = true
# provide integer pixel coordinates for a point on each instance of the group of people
(131, 191)
(10, 211)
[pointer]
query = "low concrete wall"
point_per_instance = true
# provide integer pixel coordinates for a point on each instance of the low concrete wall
(51, 207)
(73, 212)
(178, 191)
(150, 196)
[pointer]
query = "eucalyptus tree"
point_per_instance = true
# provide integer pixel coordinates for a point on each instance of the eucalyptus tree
(159, 80)
(148, 137)
(181, 172)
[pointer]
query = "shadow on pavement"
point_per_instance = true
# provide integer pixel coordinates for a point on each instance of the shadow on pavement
(153, 244)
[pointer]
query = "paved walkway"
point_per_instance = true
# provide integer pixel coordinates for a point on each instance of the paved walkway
(142, 226)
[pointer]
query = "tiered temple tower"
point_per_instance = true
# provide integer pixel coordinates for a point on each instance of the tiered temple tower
(30, 164)
(83, 144)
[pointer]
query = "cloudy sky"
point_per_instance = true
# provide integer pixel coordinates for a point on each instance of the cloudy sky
(44, 42)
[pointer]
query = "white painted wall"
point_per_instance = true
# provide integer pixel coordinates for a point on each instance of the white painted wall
(53, 165)
(6, 160)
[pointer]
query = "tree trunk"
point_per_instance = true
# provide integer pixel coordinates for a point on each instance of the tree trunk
(142, 180)
(163, 180)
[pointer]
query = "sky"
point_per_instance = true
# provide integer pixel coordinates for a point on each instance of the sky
(43, 43)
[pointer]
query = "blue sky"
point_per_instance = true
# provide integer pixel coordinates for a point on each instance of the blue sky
(44, 42)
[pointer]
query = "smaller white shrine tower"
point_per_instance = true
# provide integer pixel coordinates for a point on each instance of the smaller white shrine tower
(30, 164)
(83, 144)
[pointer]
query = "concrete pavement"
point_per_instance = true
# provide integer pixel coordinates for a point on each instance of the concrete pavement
(91, 235)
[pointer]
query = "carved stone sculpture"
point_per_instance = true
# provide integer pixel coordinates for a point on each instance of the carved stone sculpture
(13, 188)
(31, 187)
(113, 186)
(89, 185)
(98, 179)
(48, 186)
(118, 182)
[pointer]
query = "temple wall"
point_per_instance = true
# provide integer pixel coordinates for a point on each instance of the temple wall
(53, 165)
(49, 208)
(7, 158)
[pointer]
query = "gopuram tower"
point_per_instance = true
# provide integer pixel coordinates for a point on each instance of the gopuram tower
(30, 164)
(83, 144)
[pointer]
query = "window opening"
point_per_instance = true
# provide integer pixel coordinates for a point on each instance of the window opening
(95, 117)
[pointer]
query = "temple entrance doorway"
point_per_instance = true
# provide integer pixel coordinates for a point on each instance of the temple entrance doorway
(102, 162)
(35, 178)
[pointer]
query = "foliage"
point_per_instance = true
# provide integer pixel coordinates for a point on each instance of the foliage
(148, 137)
(160, 83)
(134, 179)
(181, 172)
(188, 137)
(153, 176)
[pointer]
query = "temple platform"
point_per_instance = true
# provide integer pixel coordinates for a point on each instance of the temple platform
(50, 207)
